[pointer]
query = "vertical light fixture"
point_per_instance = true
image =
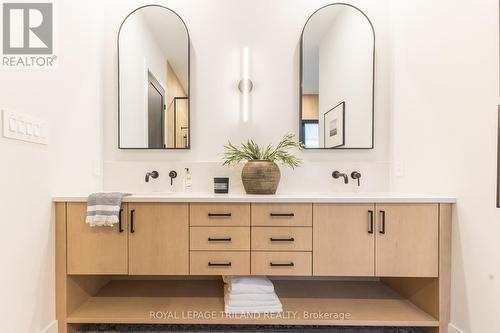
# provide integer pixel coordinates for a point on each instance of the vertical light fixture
(245, 85)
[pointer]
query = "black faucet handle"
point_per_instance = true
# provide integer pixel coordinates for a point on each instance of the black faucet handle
(356, 176)
(172, 174)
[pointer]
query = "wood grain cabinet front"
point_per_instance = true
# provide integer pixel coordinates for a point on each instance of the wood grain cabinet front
(281, 263)
(95, 250)
(219, 215)
(281, 239)
(344, 241)
(159, 239)
(220, 238)
(407, 240)
(385, 240)
(288, 214)
(219, 263)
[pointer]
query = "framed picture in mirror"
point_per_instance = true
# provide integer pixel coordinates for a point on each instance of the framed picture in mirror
(334, 121)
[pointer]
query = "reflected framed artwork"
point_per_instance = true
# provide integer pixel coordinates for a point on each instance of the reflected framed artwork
(334, 124)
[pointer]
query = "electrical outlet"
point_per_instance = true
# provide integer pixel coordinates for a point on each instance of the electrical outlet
(399, 169)
(23, 127)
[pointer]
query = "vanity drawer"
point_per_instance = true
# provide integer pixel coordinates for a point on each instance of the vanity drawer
(282, 215)
(219, 263)
(281, 238)
(220, 214)
(220, 238)
(282, 263)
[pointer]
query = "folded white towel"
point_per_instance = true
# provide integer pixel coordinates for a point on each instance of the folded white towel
(253, 309)
(229, 301)
(248, 284)
(264, 297)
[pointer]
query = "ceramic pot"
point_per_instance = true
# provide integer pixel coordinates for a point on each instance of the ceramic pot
(260, 177)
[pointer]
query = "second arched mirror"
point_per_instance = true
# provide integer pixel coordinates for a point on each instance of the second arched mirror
(337, 79)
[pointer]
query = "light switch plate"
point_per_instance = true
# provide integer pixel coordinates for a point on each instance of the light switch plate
(24, 127)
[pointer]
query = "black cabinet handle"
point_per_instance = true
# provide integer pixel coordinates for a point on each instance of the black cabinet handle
(290, 239)
(132, 226)
(120, 226)
(219, 264)
(219, 214)
(212, 239)
(382, 221)
(282, 214)
(289, 264)
(370, 226)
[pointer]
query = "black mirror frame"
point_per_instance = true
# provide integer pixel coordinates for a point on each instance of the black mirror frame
(301, 132)
(189, 79)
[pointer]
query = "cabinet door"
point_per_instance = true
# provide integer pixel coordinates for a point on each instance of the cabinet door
(95, 250)
(407, 240)
(159, 239)
(343, 240)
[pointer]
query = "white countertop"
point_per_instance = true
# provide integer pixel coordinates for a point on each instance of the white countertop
(278, 198)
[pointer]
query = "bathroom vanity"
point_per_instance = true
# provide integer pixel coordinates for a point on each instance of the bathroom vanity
(362, 260)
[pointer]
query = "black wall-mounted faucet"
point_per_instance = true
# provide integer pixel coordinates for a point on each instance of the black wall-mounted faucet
(152, 174)
(338, 174)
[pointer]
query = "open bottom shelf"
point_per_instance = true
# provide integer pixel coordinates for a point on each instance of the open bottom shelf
(344, 303)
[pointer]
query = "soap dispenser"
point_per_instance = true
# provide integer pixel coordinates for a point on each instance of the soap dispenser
(188, 181)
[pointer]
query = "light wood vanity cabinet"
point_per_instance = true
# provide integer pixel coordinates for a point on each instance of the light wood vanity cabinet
(159, 239)
(404, 247)
(407, 240)
(152, 239)
(384, 240)
(95, 250)
(344, 241)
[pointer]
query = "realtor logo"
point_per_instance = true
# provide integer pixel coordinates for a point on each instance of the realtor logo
(27, 28)
(27, 35)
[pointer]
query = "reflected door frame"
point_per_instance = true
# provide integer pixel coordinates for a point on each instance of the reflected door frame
(153, 82)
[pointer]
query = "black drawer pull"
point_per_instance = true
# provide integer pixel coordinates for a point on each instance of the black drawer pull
(219, 264)
(132, 225)
(370, 226)
(212, 239)
(120, 226)
(382, 221)
(219, 214)
(289, 264)
(290, 239)
(282, 214)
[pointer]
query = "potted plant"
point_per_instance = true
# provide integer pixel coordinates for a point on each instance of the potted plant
(261, 174)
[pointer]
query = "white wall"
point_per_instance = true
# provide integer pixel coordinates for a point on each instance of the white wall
(346, 75)
(69, 98)
(218, 29)
(445, 94)
(139, 53)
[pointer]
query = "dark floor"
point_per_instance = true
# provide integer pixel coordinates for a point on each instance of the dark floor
(240, 329)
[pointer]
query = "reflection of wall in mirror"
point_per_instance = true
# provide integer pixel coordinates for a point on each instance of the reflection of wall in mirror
(346, 74)
(139, 52)
(175, 89)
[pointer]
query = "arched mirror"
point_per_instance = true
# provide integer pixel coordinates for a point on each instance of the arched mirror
(337, 79)
(153, 76)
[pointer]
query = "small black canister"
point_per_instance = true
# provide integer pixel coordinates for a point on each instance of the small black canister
(221, 185)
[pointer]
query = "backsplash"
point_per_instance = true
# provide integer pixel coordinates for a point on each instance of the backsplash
(312, 177)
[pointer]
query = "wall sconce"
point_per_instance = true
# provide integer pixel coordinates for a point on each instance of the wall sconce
(245, 85)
